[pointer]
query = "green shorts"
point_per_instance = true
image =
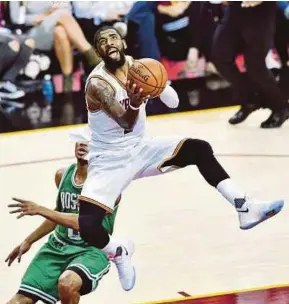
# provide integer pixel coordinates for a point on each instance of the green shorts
(40, 281)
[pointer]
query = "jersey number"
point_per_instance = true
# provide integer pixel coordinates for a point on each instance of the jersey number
(73, 234)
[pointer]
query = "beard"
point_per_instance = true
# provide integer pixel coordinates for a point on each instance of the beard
(112, 64)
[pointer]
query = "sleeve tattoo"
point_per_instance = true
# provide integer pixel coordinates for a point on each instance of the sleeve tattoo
(101, 93)
(104, 93)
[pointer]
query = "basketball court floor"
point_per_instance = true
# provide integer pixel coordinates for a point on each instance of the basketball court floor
(188, 242)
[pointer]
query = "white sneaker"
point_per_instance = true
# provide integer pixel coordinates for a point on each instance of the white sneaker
(125, 268)
(253, 212)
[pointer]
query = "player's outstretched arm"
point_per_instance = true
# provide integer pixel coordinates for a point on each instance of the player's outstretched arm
(45, 228)
(25, 208)
(101, 93)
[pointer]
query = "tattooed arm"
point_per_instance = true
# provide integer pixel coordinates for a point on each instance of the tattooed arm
(101, 95)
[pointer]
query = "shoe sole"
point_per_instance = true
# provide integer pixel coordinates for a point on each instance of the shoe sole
(273, 127)
(133, 283)
(131, 249)
(275, 208)
(232, 122)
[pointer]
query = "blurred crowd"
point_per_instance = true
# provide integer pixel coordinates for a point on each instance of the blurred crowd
(49, 45)
(37, 35)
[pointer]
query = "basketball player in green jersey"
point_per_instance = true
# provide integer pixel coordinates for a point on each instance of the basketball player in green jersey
(65, 267)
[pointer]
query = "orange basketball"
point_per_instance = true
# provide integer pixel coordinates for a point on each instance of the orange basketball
(150, 75)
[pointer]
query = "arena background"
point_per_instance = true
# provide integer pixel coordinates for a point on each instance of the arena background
(196, 80)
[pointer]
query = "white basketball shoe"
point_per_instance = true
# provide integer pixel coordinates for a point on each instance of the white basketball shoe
(123, 263)
(253, 212)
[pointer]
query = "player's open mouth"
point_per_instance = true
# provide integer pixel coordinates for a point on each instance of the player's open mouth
(113, 52)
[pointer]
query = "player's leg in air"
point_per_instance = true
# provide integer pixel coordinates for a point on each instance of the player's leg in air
(147, 162)
(92, 215)
(198, 152)
(91, 230)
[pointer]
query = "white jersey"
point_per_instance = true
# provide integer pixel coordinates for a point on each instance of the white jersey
(106, 133)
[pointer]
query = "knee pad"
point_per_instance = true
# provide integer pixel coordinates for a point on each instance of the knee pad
(90, 224)
(197, 147)
(192, 152)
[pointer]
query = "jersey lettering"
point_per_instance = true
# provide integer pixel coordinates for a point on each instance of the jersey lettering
(125, 103)
(69, 201)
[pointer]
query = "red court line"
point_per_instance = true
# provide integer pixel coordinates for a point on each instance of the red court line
(263, 295)
(184, 294)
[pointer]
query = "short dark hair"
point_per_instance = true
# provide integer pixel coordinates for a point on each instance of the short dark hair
(102, 29)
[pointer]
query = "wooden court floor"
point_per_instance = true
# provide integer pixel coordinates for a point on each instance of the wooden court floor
(188, 242)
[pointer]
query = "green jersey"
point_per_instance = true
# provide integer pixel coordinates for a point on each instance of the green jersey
(67, 202)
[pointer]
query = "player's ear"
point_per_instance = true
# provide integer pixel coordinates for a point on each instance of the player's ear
(124, 44)
(96, 51)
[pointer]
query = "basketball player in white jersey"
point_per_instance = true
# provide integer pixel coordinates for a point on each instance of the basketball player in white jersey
(121, 150)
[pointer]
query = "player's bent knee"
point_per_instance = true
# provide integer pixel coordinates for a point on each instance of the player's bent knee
(69, 283)
(197, 145)
(195, 150)
(192, 152)
(20, 299)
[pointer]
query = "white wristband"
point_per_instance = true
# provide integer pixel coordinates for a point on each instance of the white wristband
(134, 108)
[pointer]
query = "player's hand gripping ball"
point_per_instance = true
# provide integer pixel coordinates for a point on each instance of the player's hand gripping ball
(149, 75)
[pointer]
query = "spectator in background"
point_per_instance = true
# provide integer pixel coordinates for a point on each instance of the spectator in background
(249, 26)
(166, 29)
(52, 25)
(282, 32)
(211, 13)
(178, 31)
(91, 15)
(14, 55)
(142, 30)
(282, 41)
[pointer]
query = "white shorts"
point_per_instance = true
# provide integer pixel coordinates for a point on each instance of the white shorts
(110, 173)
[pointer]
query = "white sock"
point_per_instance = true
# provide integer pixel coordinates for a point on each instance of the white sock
(110, 248)
(230, 191)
